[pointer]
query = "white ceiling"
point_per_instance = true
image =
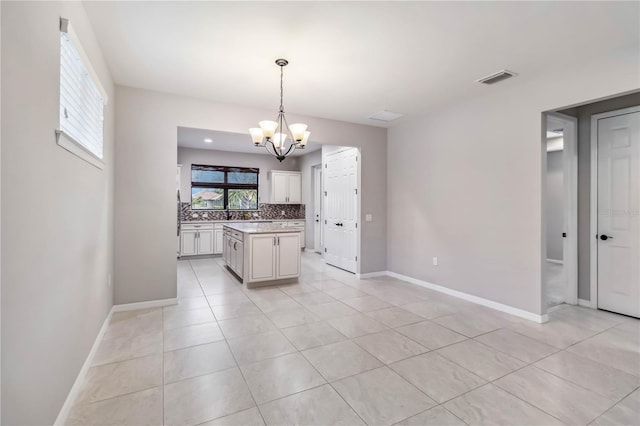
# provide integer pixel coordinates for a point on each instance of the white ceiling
(349, 60)
(189, 137)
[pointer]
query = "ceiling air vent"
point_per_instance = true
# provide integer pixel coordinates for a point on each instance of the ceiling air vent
(497, 77)
(385, 116)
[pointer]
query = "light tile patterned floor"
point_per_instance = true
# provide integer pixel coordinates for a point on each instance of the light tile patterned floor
(337, 350)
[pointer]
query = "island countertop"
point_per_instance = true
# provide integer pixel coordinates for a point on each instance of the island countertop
(263, 228)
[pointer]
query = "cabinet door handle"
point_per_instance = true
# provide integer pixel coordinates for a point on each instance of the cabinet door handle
(278, 241)
(274, 241)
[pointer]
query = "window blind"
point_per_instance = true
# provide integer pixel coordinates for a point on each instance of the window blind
(81, 99)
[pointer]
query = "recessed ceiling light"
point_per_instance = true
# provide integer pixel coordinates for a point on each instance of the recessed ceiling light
(385, 116)
(208, 140)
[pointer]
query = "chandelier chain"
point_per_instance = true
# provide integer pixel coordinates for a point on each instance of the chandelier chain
(281, 88)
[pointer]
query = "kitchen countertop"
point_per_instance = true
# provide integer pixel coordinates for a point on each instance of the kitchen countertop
(262, 228)
(204, 222)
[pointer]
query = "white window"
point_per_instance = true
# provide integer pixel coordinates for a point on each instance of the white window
(82, 100)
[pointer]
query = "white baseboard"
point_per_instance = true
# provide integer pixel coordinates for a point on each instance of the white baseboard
(145, 305)
(77, 384)
(474, 299)
(585, 303)
(372, 274)
(560, 262)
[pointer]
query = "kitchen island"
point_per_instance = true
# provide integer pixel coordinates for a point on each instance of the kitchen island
(262, 254)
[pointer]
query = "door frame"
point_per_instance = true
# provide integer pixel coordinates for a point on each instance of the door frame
(593, 212)
(317, 192)
(358, 200)
(570, 175)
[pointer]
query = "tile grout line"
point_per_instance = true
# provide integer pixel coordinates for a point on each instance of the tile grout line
(430, 350)
(244, 379)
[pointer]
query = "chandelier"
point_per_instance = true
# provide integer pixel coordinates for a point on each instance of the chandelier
(271, 134)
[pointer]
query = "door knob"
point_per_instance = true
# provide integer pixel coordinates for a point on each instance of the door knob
(605, 237)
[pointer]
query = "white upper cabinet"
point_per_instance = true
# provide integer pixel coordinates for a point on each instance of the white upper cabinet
(286, 187)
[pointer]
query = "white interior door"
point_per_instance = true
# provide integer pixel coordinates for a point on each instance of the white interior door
(341, 209)
(619, 213)
(317, 209)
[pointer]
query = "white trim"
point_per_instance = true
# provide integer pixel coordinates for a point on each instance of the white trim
(570, 220)
(77, 384)
(586, 303)
(593, 271)
(474, 299)
(145, 305)
(70, 144)
(372, 274)
(559, 262)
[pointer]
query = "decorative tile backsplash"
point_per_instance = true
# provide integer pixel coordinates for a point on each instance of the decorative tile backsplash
(265, 211)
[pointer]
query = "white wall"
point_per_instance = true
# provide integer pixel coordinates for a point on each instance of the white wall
(465, 182)
(555, 205)
(146, 157)
(189, 156)
(57, 215)
(306, 167)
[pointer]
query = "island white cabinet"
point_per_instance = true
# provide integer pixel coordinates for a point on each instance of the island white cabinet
(299, 224)
(286, 187)
(262, 253)
(196, 240)
(273, 257)
(233, 252)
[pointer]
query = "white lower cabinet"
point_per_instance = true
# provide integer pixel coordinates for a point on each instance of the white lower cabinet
(288, 255)
(233, 252)
(273, 256)
(196, 240)
(201, 239)
(295, 224)
(205, 241)
(188, 242)
(262, 257)
(217, 239)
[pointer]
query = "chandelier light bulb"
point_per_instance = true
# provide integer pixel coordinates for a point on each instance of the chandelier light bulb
(278, 139)
(305, 139)
(297, 131)
(268, 128)
(256, 135)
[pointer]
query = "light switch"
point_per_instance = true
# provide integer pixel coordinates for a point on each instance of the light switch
(368, 217)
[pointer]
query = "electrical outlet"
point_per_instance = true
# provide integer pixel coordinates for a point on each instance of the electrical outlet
(435, 261)
(283, 213)
(368, 217)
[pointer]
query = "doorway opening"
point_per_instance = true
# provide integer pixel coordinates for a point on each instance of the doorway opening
(607, 272)
(560, 199)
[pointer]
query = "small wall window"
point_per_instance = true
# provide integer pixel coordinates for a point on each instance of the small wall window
(224, 188)
(82, 100)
